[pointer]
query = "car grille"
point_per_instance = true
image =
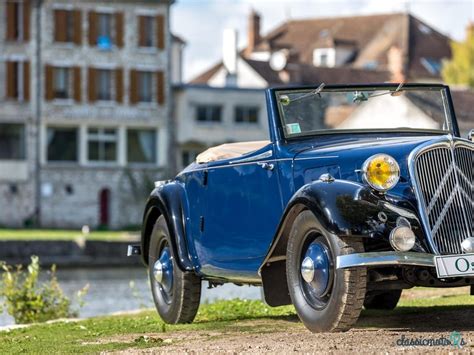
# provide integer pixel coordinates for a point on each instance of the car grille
(444, 185)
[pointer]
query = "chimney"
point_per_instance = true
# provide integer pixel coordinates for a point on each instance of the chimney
(229, 55)
(253, 33)
(396, 64)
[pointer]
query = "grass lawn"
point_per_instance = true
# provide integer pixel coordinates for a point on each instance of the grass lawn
(57, 234)
(223, 318)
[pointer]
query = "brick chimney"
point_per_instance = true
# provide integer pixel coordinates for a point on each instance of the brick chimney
(253, 32)
(396, 64)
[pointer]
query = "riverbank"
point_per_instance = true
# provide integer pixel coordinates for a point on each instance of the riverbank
(250, 326)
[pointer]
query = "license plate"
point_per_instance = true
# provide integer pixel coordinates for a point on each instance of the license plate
(454, 265)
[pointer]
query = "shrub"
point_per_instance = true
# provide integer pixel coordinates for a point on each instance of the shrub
(28, 301)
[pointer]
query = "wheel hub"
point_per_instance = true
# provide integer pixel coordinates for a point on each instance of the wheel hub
(163, 270)
(315, 268)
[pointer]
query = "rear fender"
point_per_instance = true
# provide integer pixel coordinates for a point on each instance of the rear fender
(167, 200)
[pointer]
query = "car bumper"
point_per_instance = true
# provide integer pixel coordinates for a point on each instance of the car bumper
(384, 258)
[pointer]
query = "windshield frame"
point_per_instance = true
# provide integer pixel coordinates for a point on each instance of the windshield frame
(445, 95)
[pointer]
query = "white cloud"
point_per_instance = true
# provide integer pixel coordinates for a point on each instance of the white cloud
(201, 22)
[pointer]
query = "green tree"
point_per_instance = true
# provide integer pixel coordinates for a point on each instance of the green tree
(460, 69)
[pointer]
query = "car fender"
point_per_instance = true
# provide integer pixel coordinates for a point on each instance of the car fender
(167, 200)
(343, 208)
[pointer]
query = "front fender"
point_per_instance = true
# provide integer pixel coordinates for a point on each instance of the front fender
(343, 208)
(167, 200)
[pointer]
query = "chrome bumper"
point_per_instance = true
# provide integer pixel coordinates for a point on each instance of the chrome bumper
(385, 258)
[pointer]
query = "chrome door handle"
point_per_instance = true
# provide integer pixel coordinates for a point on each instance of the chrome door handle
(267, 166)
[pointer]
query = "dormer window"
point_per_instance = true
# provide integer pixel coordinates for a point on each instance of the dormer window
(324, 57)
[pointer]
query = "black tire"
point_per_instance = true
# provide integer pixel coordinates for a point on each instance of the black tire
(387, 300)
(346, 289)
(181, 304)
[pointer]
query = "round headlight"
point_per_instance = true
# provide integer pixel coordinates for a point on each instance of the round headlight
(402, 238)
(381, 172)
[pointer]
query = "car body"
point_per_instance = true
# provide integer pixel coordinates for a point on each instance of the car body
(233, 219)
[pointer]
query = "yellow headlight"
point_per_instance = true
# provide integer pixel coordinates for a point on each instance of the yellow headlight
(381, 172)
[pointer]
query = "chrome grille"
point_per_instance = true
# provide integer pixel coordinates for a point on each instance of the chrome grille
(444, 178)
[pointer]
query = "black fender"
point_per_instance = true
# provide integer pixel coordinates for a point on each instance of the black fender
(343, 208)
(167, 200)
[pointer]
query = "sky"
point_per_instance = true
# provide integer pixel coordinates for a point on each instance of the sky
(201, 22)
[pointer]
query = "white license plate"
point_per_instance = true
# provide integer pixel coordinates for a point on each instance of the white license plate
(454, 265)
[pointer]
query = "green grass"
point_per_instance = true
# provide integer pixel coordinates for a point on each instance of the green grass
(146, 330)
(57, 234)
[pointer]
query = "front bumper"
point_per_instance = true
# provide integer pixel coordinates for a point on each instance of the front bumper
(384, 258)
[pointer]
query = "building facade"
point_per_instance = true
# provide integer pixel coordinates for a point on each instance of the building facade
(85, 110)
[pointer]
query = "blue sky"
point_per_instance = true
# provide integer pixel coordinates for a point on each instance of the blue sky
(201, 22)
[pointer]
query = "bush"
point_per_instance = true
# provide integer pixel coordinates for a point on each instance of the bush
(27, 301)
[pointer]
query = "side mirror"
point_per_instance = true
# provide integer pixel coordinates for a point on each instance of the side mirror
(470, 135)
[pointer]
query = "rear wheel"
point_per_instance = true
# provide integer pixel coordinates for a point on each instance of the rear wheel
(382, 299)
(176, 294)
(325, 299)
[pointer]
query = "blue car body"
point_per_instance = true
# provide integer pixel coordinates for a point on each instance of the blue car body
(229, 217)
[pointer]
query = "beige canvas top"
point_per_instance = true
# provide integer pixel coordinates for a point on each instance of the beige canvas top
(229, 151)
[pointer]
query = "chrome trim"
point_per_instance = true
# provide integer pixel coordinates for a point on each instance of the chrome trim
(447, 245)
(470, 135)
(384, 258)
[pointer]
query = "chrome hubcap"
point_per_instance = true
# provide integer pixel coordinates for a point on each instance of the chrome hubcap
(315, 269)
(163, 270)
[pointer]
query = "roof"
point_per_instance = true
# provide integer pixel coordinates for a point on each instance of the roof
(369, 37)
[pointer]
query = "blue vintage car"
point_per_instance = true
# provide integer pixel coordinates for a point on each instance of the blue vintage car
(360, 192)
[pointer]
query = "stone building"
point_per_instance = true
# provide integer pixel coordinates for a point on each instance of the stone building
(84, 91)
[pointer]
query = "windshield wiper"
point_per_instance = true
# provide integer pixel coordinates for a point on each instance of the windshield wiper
(398, 91)
(285, 99)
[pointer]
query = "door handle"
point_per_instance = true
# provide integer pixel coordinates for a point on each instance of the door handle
(266, 166)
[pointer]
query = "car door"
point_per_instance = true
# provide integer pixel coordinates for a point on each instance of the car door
(243, 209)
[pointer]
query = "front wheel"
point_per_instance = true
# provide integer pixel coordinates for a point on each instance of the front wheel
(176, 294)
(326, 299)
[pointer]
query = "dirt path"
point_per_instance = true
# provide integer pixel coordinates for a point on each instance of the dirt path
(375, 332)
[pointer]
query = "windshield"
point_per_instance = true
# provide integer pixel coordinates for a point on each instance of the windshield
(315, 111)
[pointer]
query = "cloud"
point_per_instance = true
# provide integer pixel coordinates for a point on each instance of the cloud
(201, 22)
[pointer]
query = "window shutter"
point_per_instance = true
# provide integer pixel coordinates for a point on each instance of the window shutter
(119, 28)
(91, 85)
(26, 81)
(133, 86)
(60, 24)
(160, 29)
(11, 78)
(77, 23)
(26, 20)
(119, 85)
(77, 83)
(92, 28)
(49, 95)
(10, 20)
(160, 83)
(141, 31)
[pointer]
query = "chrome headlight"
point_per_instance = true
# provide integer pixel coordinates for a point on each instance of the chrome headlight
(381, 172)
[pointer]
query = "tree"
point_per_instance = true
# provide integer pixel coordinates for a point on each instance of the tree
(460, 69)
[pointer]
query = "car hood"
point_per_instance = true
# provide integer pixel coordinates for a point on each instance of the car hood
(344, 158)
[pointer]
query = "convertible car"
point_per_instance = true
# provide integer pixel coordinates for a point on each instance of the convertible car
(360, 192)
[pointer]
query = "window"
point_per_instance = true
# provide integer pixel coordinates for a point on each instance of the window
(102, 144)
(324, 57)
(18, 80)
(208, 113)
(12, 141)
(188, 156)
(246, 114)
(104, 31)
(18, 20)
(62, 83)
(62, 144)
(141, 146)
(67, 26)
(145, 85)
(146, 30)
(104, 84)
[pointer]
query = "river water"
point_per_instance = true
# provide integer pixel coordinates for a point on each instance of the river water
(124, 289)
